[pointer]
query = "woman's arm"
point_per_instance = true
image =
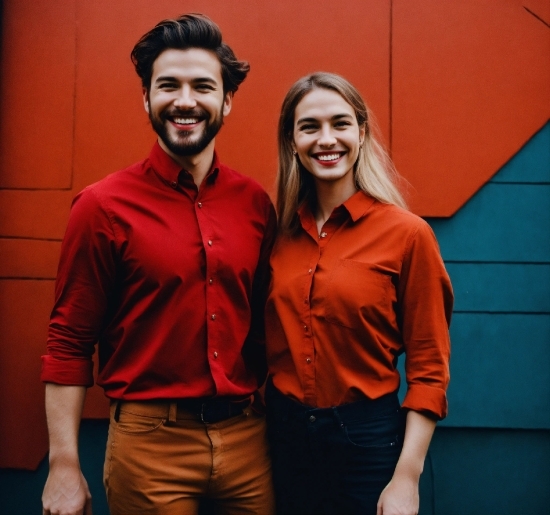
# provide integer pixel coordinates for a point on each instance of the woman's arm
(400, 497)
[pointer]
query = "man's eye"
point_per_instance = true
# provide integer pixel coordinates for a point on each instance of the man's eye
(167, 85)
(205, 87)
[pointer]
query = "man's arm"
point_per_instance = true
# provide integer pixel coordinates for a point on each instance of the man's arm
(400, 497)
(66, 491)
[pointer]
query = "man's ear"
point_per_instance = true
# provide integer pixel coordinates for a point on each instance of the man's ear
(227, 103)
(145, 93)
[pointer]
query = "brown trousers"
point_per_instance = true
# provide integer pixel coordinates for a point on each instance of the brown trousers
(161, 461)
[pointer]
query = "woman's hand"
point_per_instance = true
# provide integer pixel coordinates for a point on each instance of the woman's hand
(400, 497)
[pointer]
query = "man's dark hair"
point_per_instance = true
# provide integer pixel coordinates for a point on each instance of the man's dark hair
(188, 31)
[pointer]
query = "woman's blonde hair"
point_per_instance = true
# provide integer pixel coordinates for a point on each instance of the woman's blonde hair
(374, 171)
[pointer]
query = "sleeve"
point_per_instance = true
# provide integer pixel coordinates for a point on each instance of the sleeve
(84, 280)
(426, 303)
(254, 348)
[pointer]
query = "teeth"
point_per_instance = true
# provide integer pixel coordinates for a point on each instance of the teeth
(185, 121)
(330, 157)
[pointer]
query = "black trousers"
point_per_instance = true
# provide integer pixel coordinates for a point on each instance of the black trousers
(334, 460)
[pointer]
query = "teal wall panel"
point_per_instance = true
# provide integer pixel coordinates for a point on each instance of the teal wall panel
(532, 164)
(489, 472)
(501, 223)
(496, 287)
(21, 490)
(500, 371)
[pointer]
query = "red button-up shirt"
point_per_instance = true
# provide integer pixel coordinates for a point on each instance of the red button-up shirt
(171, 281)
(344, 303)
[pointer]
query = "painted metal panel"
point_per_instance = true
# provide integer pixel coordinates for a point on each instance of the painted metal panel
(532, 163)
(490, 472)
(37, 66)
(500, 288)
(501, 223)
(500, 371)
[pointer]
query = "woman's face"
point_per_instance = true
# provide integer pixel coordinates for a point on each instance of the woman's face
(326, 136)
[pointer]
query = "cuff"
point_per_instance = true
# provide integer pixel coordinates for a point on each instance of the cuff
(68, 372)
(425, 398)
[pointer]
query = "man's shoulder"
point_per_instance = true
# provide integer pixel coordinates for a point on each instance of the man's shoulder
(233, 178)
(119, 179)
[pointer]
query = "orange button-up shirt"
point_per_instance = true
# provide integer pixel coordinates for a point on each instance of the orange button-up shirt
(345, 303)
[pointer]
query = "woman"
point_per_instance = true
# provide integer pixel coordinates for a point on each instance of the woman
(357, 280)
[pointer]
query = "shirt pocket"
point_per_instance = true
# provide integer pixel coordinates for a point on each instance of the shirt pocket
(358, 294)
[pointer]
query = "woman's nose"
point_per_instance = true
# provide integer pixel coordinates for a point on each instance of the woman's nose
(326, 138)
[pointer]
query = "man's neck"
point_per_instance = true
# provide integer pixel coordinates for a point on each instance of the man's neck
(198, 165)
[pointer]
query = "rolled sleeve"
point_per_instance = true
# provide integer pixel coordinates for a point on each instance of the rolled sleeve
(427, 301)
(84, 280)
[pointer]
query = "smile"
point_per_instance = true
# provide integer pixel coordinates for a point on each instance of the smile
(185, 121)
(328, 157)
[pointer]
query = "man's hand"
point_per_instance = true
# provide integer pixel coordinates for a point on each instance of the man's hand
(400, 497)
(66, 492)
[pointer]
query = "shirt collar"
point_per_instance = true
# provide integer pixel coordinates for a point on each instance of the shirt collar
(170, 171)
(357, 206)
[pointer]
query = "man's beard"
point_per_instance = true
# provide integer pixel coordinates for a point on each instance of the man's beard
(182, 145)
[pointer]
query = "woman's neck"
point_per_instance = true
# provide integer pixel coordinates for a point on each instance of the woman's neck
(329, 196)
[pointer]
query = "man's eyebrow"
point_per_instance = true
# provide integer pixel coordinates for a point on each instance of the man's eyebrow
(165, 78)
(335, 117)
(169, 78)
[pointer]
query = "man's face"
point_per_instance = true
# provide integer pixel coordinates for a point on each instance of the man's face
(186, 103)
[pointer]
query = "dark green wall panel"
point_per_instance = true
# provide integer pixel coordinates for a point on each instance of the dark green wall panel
(500, 371)
(493, 287)
(532, 163)
(501, 223)
(489, 472)
(21, 490)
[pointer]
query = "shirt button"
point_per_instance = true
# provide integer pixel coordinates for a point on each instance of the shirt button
(213, 317)
(312, 418)
(310, 271)
(210, 281)
(199, 204)
(174, 184)
(210, 243)
(323, 235)
(308, 360)
(215, 354)
(305, 328)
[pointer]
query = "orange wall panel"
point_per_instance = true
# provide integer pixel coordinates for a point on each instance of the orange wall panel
(28, 259)
(34, 213)
(37, 67)
(24, 311)
(470, 84)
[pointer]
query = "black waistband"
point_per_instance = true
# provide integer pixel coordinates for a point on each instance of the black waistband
(359, 410)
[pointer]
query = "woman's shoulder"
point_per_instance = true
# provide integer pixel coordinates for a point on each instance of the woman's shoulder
(397, 217)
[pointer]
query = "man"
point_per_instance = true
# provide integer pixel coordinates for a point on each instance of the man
(165, 264)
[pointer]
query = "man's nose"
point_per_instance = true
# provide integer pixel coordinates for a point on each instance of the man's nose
(185, 99)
